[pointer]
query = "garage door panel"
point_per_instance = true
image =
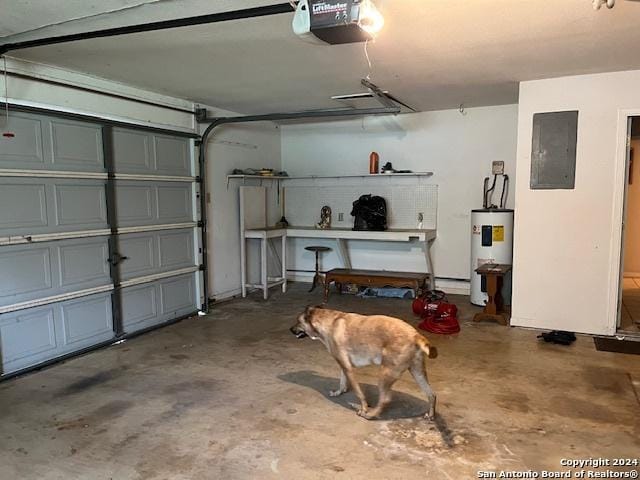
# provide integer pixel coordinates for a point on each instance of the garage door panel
(35, 335)
(139, 248)
(84, 263)
(76, 145)
(150, 253)
(154, 303)
(86, 321)
(172, 155)
(80, 204)
(176, 249)
(27, 337)
(24, 271)
(135, 204)
(146, 153)
(42, 270)
(23, 206)
(51, 206)
(132, 151)
(24, 151)
(174, 203)
(153, 203)
(140, 307)
(177, 295)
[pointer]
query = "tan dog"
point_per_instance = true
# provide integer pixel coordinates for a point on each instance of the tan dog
(358, 340)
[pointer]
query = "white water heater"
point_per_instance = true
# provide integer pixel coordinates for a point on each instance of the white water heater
(491, 242)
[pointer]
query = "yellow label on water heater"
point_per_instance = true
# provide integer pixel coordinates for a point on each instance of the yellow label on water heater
(498, 233)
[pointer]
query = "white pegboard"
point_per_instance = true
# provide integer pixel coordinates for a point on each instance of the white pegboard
(405, 203)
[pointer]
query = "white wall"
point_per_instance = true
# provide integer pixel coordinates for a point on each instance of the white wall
(458, 148)
(567, 242)
(235, 146)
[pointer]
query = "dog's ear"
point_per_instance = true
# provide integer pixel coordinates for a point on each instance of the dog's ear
(321, 306)
(308, 311)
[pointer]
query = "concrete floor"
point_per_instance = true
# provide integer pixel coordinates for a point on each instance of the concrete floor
(235, 396)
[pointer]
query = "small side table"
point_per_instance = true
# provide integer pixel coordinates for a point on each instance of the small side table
(317, 277)
(494, 309)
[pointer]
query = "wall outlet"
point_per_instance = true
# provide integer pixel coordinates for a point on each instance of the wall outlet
(341, 217)
(497, 168)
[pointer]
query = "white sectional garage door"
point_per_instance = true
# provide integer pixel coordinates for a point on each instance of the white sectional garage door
(98, 235)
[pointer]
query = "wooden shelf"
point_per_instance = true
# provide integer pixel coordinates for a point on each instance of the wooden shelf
(319, 177)
(261, 177)
(368, 175)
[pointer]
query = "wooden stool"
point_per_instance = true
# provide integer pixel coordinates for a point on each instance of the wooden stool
(494, 309)
(317, 277)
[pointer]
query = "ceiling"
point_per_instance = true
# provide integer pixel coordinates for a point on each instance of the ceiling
(432, 54)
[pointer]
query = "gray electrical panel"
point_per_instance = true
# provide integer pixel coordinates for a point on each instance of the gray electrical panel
(553, 150)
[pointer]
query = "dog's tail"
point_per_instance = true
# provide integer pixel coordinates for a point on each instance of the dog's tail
(426, 347)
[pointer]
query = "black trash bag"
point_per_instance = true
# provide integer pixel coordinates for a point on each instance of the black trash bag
(370, 213)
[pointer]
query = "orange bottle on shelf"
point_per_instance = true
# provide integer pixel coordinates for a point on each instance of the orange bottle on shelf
(374, 163)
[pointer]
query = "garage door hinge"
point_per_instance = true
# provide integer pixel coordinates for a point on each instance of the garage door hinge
(199, 179)
(200, 224)
(201, 267)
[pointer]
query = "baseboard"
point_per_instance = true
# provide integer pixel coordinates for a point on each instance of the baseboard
(452, 287)
(216, 297)
(631, 274)
(300, 277)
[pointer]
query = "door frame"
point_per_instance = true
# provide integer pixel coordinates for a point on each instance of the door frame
(618, 217)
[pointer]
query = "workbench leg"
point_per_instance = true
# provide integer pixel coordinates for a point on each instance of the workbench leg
(284, 264)
(343, 253)
(243, 264)
(427, 256)
(263, 268)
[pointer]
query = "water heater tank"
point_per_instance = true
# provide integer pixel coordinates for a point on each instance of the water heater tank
(491, 242)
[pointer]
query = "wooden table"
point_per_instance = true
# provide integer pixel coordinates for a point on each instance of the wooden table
(375, 278)
(494, 309)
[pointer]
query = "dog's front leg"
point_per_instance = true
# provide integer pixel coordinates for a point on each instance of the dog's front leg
(363, 409)
(344, 385)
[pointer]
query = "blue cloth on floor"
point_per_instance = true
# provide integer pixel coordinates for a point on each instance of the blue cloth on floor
(387, 293)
